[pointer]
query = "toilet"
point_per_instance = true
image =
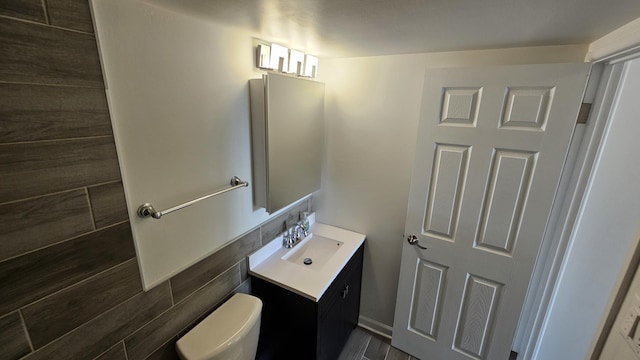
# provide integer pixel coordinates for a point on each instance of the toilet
(230, 332)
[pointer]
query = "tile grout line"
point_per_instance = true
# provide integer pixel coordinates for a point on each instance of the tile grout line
(69, 239)
(57, 140)
(173, 302)
(158, 348)
(124, 346)
(371, 335)
(366, 345)
(58, 192)
(387, 352)
(239, 264)
(104, 183)
(106, 351)
(29, 83)
(237, 288)
(26, 331)
(145, 323)
(205, 284)
(47, 25)
(90, 205)
(45, 9)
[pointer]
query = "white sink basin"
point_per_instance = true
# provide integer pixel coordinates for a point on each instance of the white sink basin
(329, 249)
(316, 248)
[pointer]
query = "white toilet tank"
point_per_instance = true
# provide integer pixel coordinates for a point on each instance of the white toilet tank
(230, 332)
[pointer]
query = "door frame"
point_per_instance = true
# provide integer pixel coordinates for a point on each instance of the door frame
(602, 87)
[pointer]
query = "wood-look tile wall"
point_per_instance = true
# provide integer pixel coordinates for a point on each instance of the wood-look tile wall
(69, 281)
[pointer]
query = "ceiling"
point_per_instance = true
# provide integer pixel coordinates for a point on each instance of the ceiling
(345, 28)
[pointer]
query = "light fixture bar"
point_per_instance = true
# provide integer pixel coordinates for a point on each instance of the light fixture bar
(280, 58)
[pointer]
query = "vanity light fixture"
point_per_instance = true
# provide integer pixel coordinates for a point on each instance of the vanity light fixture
(263, 53)
(296, 62)
(310, 66)
(279, 58)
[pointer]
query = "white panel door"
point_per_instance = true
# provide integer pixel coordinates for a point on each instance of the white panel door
(491, 147)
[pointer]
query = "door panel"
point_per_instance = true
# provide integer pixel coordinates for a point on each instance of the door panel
(527, 108)
(491, 147)
(447, 182)
(507, 189)
(460, 106)
(427, 301)
(478, 308)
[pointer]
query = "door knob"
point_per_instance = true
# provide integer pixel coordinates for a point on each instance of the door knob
(413, 240)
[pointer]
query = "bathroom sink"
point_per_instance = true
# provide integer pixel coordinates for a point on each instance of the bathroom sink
(328, 247)
(317, 249)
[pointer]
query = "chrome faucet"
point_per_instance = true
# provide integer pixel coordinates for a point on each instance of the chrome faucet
(294, 234)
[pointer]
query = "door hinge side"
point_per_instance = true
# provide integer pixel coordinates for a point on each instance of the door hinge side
(583, 114)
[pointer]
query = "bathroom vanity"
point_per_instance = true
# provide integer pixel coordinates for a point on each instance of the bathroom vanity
(309, 312)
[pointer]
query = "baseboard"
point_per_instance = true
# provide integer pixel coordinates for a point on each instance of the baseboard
(375, 326)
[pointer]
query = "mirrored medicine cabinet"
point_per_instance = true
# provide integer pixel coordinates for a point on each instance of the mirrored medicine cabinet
(287, 130)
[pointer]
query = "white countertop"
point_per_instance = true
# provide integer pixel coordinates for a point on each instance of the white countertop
(269, 262)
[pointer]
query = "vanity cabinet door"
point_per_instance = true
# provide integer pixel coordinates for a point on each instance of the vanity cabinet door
(351, 302)
(288, 326)
(339, 309)
(331, 330)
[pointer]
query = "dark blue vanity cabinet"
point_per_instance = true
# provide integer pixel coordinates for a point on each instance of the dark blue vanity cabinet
(296, 327)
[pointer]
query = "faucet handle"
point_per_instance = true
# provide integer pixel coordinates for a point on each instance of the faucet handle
(304, 226)
(287, 239)
(301, 229)
(296, 232)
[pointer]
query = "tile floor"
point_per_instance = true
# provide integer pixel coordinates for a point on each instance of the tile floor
(364, 345)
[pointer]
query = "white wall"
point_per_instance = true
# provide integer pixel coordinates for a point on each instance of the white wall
(606, 231)
(372, 110)
(179, 102)
(624, 38)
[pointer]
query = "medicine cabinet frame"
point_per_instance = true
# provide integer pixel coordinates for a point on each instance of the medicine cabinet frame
(287, 130)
